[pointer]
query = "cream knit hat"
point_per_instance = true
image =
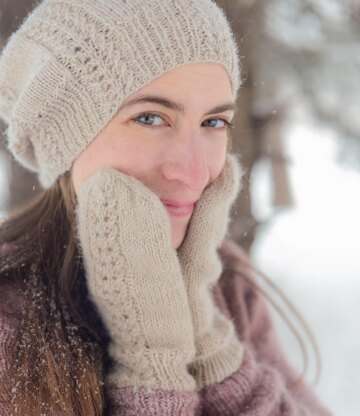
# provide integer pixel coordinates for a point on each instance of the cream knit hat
(67, 70)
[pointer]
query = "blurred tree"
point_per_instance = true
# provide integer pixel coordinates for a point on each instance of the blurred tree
(311, 53)
(295, 55)
(19, 184)
(258, 124)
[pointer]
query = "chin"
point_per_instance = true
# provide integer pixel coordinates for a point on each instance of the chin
(178, 231)
(176, 242)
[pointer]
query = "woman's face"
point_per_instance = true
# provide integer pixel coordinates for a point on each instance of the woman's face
(171, 135)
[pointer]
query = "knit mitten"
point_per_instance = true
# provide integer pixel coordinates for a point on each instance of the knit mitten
(135, 280)
(219, 352)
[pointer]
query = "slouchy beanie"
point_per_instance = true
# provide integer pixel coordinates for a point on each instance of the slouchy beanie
(72, 63)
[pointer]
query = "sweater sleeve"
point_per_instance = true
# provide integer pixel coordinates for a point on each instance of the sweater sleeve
(131, 401)
(264, 385)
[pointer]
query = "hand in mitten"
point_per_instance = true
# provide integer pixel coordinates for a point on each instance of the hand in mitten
(219, 352)
(135, 280)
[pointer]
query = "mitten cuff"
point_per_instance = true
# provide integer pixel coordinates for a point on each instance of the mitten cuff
(165, 370)
(220, 353)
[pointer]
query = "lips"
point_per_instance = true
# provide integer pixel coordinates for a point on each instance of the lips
(179, 208)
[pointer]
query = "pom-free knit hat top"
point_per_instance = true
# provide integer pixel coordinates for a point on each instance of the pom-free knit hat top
(67, 70)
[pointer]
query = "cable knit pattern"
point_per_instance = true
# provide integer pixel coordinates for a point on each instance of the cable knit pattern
(219, 352)
(135, 280)
(262, 386)
(65, 73)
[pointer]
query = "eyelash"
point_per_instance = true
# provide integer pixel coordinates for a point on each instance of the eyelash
(228, 124)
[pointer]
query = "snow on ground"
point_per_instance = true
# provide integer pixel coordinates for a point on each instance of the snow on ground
(312, 252)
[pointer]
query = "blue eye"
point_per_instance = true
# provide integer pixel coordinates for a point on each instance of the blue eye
(149, 120)
(224, 122)
(148, 117)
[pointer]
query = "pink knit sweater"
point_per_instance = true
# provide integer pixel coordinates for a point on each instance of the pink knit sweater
(262, 386)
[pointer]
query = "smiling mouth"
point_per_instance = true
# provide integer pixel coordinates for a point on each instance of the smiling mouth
(179, 211)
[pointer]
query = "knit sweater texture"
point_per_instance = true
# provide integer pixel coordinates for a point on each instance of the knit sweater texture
(261, 386)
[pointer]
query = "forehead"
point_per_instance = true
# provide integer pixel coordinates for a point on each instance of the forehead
(207, 83)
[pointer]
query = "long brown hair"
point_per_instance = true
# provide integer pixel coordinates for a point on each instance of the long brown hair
(61, 354)
(59, 362)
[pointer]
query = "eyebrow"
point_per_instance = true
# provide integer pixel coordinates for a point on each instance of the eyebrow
(175, 106)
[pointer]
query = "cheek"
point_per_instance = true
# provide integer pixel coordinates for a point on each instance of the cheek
(132, 156)
(135, 158)
(216, 160)
(84, 165)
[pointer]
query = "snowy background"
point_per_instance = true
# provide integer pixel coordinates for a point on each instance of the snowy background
(315, 258)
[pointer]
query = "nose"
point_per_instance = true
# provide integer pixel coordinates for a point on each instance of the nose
(186, 161)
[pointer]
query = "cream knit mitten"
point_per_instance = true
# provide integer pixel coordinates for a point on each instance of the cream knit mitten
(135, 279)
(219, 352)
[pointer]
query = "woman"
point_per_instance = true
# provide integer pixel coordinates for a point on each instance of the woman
(114, 299)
